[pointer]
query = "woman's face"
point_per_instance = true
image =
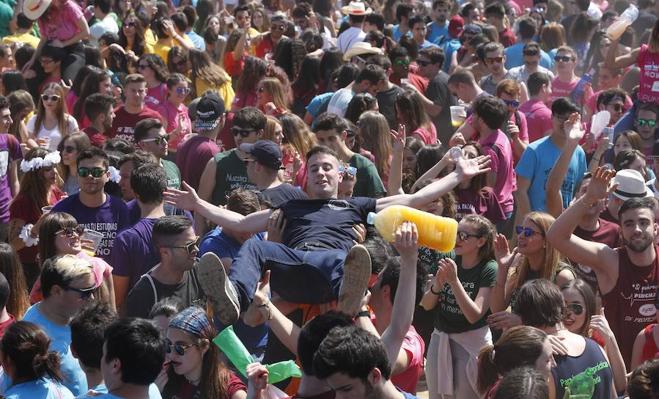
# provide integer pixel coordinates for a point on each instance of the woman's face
(50, 99)
(180, 64)
(179, 92)
(622, 144)
(214, 23)
(545, 361)
(129, 27)
(69, 153)
(190, 361)
(48, 64)
(67, 241)
(470, 152)
(146, 71)
(575, 315)
(49, 174)
(279, 134)
(409, 160)
(262, 95)
(468, 240)
(105, 86)
(534, 243)
(257, 19)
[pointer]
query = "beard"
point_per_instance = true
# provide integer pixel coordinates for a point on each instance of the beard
(639, 245)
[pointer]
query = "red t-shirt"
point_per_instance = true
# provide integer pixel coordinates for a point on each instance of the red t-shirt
(189, 391)
(233, 67)
(483, 202)
(97, 138)
(649, 63)
(414, 347)
(608, 233)
(650, 350)
(264, 47)
(538, 119)
(192, 157)
(5, 325)
(124, 122)
(507, 37)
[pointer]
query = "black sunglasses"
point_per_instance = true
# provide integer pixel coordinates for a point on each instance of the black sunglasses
(85, 293)
(69, 231)
(69, 149)
(464, 236)
(94, 172)
(191, 247)
(575, 308)
(531, 53)
(131, 24)
(158, 140)
(179, 348)
(562, 58)
(242, 132)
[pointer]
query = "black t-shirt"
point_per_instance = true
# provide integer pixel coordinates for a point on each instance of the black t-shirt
(439, 94)
(141, 298)
(325, 222)
(277, 196)
(387, 104)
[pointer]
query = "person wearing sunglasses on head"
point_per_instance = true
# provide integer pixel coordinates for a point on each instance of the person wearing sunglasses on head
(460, 297)
(533, 258)
(67, 283)
(175, 275)
(176, 112)
(192, 368)
(92, 207)
(151, 137)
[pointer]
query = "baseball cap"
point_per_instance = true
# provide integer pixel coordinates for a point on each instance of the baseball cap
(210, 109)
(265, 152)
(472, 29)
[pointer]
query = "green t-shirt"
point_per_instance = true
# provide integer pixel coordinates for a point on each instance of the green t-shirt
(368, 182)
(428, 258)
(230, 174)
(173, 174)
(6, 14)
(448, 315)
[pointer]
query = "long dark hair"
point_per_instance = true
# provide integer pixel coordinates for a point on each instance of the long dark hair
(157, 65)
(11, 268)
(26, 345)
(138, 42)
(588, 299)
(410, 106)
(33, 184)
(253, 71)
(12, 81)
(88, 87)
(51, 224)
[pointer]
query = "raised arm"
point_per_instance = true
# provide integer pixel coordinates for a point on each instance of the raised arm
(189, 200)
(395, 182)
(435, 170)
(465, 169)
(500, 295)
(613, 62)
(554, 198)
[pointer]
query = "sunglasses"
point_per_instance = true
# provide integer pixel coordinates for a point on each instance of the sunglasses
(85, 293)
(528, 232)
(179, 348)
(648, 122)
(130, 24)
(464, 236)
(562, 58)
(69, 149)
(46, 61)
(158, 140)
(350, 170)
(242, 132)
(191, 247)
(574, 308)
(402, 62)
(70, 231)
(512, 103)
(278, 27)
(182, 90)
(531, 53)
(494, 60)
(423, 63)
(93, 172)
(46, 97)
(142, 66)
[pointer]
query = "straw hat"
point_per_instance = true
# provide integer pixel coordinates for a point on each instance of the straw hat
(361, 48)
(356, 8)
(630, 185)
(33, 9)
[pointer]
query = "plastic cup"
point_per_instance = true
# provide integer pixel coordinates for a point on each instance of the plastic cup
(458, 115)
(44, 142)
(91, 240)
(46, 209)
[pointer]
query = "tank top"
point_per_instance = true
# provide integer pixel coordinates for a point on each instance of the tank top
(650, 350)
(629, 306)
(648, 62)
(574, 371)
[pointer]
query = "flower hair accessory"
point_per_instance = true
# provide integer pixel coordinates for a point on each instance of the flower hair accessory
(49, 160)
(114, 174)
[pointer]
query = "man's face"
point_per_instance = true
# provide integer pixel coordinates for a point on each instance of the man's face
(366, 86)
(494, 61)
(243, 19)
(49, 65)
(125, 171)
(302, 22)
(646, 123)
(531, 60)
(277, 29)
(345, 387)
(93, 185)
(135, 94)
(419, 32)
(244, 135)
(606, 80)
(5, 121)
(493, 19)
(111, 371)
(474, 15)
(616, 108)
(155, 142)
(638, 229)
(565, 62)
(109, 118)
(183, 250)
(441, 14)
(558, 122)
(323, 176)
(401, 66)
(427, 69)
(330, 138)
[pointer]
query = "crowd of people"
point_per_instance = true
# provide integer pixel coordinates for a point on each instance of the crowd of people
(176, 172)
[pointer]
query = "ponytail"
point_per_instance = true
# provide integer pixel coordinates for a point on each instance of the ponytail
(47, 364)
(487, 370)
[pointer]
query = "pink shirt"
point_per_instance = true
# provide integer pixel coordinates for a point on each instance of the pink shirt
(414, 347)
(497, 146)
(562, 89)
(428, 137)
(538, 119)
(648, 62)
(62, 23)
(172, 115)
(156, 96)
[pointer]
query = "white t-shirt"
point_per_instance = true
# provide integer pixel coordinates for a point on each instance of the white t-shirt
(54, 135)
(349, 37)
(107, 24)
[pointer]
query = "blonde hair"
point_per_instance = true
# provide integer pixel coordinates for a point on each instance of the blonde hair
(374, 131)
(274, 87)
(271, 124)
(550, 258)
(62, 270)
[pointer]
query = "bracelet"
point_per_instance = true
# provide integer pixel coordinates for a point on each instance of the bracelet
(433, 291)
(363, 313)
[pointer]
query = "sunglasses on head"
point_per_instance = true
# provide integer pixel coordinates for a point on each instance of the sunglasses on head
(70, 231)
(494, 60)
(528, 232)
(562, 58)
(93, 172)
(179, 348)
(84, 293)
(575, 308)
(350, 170)
(191, 247)
(648, 122)
(158, 140)
(242, 132)
(512, 103)
(464, 236)
(69, 149)
(52, 97)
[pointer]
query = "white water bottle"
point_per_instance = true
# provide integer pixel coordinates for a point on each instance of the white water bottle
(616, 29)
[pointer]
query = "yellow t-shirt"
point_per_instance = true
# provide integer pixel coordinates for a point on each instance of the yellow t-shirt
(24, 38)
(149, 41)
(225, 90)
(161, 47)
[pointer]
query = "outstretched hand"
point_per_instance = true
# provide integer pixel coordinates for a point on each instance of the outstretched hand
(468, 168)
(600, 185)
(502, 252)
(398, 138)
(187, 199)
(573, 127)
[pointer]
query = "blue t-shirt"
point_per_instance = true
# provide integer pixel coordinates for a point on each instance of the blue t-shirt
(515, 57)
(537, 162)
(41, 388)
(435, 32)
(154, 393)
(397, 34)
(108, 219)
(449, 48)
(255, 339)
(60, 336)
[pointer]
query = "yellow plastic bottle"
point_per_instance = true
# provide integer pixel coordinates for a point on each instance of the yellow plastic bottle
(435, 232)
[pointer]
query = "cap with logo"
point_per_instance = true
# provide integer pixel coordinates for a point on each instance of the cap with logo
(210, 110)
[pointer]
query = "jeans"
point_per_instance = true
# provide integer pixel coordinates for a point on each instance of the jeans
(311, 277)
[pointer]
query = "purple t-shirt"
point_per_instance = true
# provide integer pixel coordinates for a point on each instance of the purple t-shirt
(108, 219)
(497, 146)
(132, 254)
(10, 151)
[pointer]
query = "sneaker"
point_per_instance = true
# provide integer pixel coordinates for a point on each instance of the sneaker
(356, 273)
(218, 288)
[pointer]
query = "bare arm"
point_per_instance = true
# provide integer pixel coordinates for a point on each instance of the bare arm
(613, 62)
(431, 297)
(80, 36)
(120, 289)
(206, 186)
(239, 50)
(15, 226)
(395, 182)
(522, 199)
(12, 172)
(434, 171)
(500, 294)
(554, 198)
(473, 310)
(637, 351)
